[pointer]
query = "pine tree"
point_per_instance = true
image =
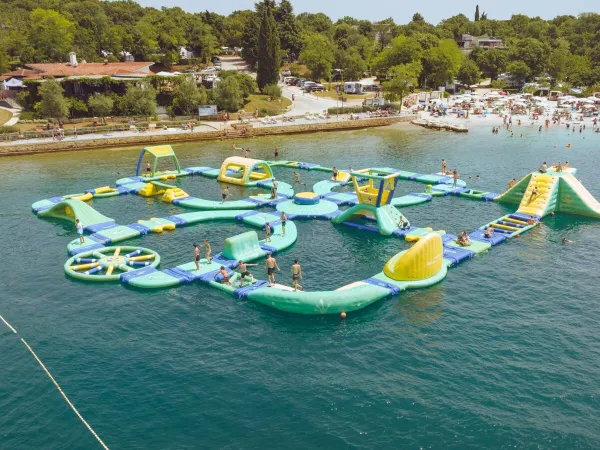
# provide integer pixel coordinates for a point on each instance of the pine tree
(268, 48)
(476, 13)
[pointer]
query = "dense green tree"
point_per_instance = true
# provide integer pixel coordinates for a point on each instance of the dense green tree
(469, 72)
(492, 62)
(187, 97)
(289, 31)
(247, 84)
(476, 13)
(385, 31)
(250, 39)
(51, 35)
(441, 63)
(558, 60)
(533, 53)
(402, 50)
(317, 55)
(101, 105)
(317, 23)
(228, 95)
(273, 91)
(77, 107)
(518, 70)
(351, 63)
(268, 48)
(53, 103)
(139, 101)
(402, 78)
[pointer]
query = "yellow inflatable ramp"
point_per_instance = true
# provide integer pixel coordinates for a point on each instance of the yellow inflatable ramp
(424, 260)
(541, 195)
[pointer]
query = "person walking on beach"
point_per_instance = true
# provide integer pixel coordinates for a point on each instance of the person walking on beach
(454, 177)
(244, 272)
(207, 251)
(296, 275)
(79, 227)
(196, 256)
(283, 219)
(271, 265)
(267, 232)
(225, 194)
(444, 167)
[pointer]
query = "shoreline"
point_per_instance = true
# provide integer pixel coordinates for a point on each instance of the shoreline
(148, 138)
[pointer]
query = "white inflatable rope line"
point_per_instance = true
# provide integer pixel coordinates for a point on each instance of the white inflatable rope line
(56, 384)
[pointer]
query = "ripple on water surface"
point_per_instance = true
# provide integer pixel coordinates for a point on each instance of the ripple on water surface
(502, 353)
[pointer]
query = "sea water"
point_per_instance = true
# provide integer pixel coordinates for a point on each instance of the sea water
(503, 353)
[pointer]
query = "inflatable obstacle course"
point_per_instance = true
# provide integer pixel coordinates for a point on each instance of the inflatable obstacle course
(373, 206)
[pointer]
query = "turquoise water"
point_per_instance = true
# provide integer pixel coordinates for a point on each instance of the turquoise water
(503, 353)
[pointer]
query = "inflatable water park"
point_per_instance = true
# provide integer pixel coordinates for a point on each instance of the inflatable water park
(363, 199)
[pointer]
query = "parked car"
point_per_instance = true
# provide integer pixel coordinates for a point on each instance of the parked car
(314, 87)
(289, 80)
(372, 88)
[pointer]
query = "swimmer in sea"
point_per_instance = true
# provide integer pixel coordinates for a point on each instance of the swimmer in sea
(225, 194)
(566, 241)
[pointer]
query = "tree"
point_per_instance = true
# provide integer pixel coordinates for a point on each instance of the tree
(469, 72)
(250, 39)
(268, 48)
(558, 60)
(403, 50)
(403, 77)
(247, 84)
(101, 105)
(476, 13)
(441, 63)
(492, 62)
(519, 71)
(51, 35)
(533, 53)
(187, 97)
(317, 55)
(228, 96)
(77, 107)
(53, 103)
(139, 101)
(316, 23)
(351, 63)
(272, 90)
(289, 33)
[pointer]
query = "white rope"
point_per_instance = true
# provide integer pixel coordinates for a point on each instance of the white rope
(57, 385)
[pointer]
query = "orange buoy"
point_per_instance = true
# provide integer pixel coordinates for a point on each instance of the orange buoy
(343, 315)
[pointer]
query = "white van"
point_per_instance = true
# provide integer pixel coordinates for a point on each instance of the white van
(352, 87)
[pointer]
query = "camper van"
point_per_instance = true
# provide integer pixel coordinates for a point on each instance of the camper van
(352, 87)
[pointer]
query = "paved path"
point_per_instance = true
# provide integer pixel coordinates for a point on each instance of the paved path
(15, 117)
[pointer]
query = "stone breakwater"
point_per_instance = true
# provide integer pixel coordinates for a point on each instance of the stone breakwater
(440, 125)
(149, 138)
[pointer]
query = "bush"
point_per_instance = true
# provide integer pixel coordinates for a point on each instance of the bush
(8, 129)
(351, 109)
(272, 90)
(27, 116)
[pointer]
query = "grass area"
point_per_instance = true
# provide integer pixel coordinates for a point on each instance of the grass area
(333, 94)
(259, 101)
(5, 116)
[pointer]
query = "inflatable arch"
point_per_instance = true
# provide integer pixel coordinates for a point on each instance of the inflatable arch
(157, 152)
(244, 171)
